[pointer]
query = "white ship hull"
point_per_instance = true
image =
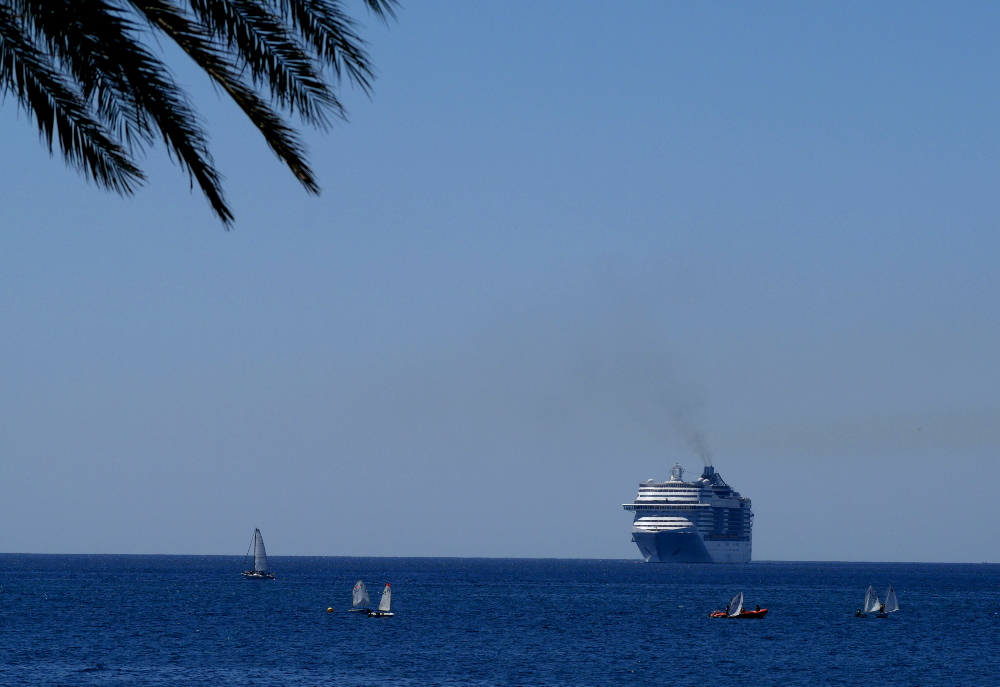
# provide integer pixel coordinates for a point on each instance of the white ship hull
(688, 546)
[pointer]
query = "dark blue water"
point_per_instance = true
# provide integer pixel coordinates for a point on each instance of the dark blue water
(179, 620)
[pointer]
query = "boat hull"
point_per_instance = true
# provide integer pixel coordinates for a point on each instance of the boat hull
(687, 545)
(258, 576)
(743, 615)
(674, 546)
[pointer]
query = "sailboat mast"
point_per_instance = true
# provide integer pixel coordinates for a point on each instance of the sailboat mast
(247, 554)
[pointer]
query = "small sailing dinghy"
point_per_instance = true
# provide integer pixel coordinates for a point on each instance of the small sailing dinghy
(871, 604)
(890, 605)
(260, 570)
(735, 610)
(383, 604)
(360, 598)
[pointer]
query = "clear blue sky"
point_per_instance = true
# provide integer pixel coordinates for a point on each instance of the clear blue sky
(559, 239)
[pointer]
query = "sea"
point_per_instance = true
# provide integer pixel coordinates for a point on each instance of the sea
(193, 620)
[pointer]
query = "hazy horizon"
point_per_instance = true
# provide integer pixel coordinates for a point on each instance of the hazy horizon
(636, 559)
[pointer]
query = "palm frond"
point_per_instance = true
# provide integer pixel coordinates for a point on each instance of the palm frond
(122, 70)
(60, 112)
(89, 74)
(383, 9)
(332, 35)
(271, 53)
(193, 40)
(83, 39)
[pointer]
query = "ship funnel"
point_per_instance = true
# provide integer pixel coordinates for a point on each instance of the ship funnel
(709, 471)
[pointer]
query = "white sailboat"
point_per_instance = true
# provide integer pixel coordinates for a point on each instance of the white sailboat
(260, 569)
(383, 604)
(360, 597)
(736, 605)
(871, 604)
(891, 604)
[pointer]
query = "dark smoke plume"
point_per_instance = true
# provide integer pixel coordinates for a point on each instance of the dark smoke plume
(696, 440)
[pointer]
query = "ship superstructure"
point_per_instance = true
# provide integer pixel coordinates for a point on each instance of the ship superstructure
(704, 521)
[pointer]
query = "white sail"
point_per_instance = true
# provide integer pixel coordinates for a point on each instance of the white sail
(871, 601)
(259, 555)
(360, 595)
(736, 605)
(890, 601)
(383, 603)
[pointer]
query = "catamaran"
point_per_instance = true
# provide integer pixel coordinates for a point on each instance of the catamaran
(260, 570)
(360, 596)
(735, 610)
(383, 604)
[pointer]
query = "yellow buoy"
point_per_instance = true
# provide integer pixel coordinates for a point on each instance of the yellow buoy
(329, 610)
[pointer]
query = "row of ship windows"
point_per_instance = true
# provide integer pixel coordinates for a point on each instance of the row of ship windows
(704, 515)
(702, 527)
(711, 536)
(687, 489)
(661, 489)
(691, 493)
(680, 495)
(664, 506)
(701, 522)
(715, 534)
(648, 502)
(680, 506)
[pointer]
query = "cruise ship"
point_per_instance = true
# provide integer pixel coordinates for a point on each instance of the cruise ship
(704, 521)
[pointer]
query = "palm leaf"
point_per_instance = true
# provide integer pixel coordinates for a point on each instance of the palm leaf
(86, 72)
(271, 53)
(192, 39)
(60, 112)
